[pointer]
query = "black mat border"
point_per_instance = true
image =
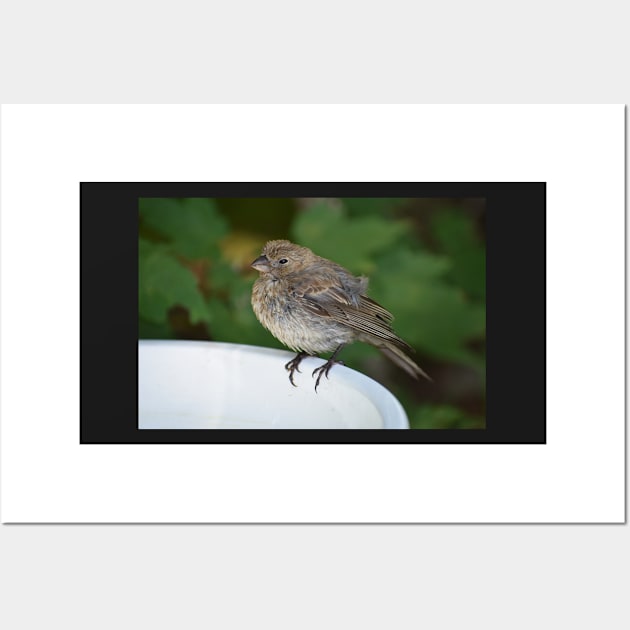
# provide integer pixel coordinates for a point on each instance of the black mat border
(516, 289)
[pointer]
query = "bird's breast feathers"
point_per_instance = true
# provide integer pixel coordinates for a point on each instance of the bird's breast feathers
(291, 319)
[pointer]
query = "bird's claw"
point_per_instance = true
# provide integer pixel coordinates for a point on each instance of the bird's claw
(323, 369)
(293, 365)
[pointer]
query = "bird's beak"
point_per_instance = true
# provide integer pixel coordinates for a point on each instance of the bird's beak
(261, 264)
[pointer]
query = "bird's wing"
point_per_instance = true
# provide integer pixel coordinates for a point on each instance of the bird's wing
(323, 289)
(376, 309)
(324, 295)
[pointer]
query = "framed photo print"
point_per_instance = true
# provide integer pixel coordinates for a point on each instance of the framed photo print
(313, 314)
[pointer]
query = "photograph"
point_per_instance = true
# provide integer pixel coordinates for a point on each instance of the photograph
(375, 309)
(313, 312)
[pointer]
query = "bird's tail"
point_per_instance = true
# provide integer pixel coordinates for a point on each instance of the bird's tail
(402, 360)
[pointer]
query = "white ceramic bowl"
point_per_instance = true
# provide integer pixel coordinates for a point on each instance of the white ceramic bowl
(208, 385)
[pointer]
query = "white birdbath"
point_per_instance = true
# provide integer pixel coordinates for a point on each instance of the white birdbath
(209, 385)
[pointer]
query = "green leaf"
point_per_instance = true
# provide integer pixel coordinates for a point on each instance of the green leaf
(409, 265)
(236, 323)
(443, 417)
(151, 330)
(222, 277)
(455, 233)
(164, 283)
(357, 206)
(431, 315)
(351, 242)
(194, 225)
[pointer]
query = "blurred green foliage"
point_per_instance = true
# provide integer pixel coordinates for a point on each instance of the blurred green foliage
(425, 259)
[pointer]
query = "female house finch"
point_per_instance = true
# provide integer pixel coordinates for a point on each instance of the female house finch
(314, 305)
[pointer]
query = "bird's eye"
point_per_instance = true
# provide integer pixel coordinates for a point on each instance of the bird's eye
(283, 261)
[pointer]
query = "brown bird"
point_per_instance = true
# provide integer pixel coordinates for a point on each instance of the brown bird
(313, 305)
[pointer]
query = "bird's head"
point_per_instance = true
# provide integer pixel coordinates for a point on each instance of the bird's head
(282, 257)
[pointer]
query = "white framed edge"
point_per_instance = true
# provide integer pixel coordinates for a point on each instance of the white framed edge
(578, 476)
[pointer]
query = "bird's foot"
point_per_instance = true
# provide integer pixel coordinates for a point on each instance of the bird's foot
(324, 369)
(294, 364)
